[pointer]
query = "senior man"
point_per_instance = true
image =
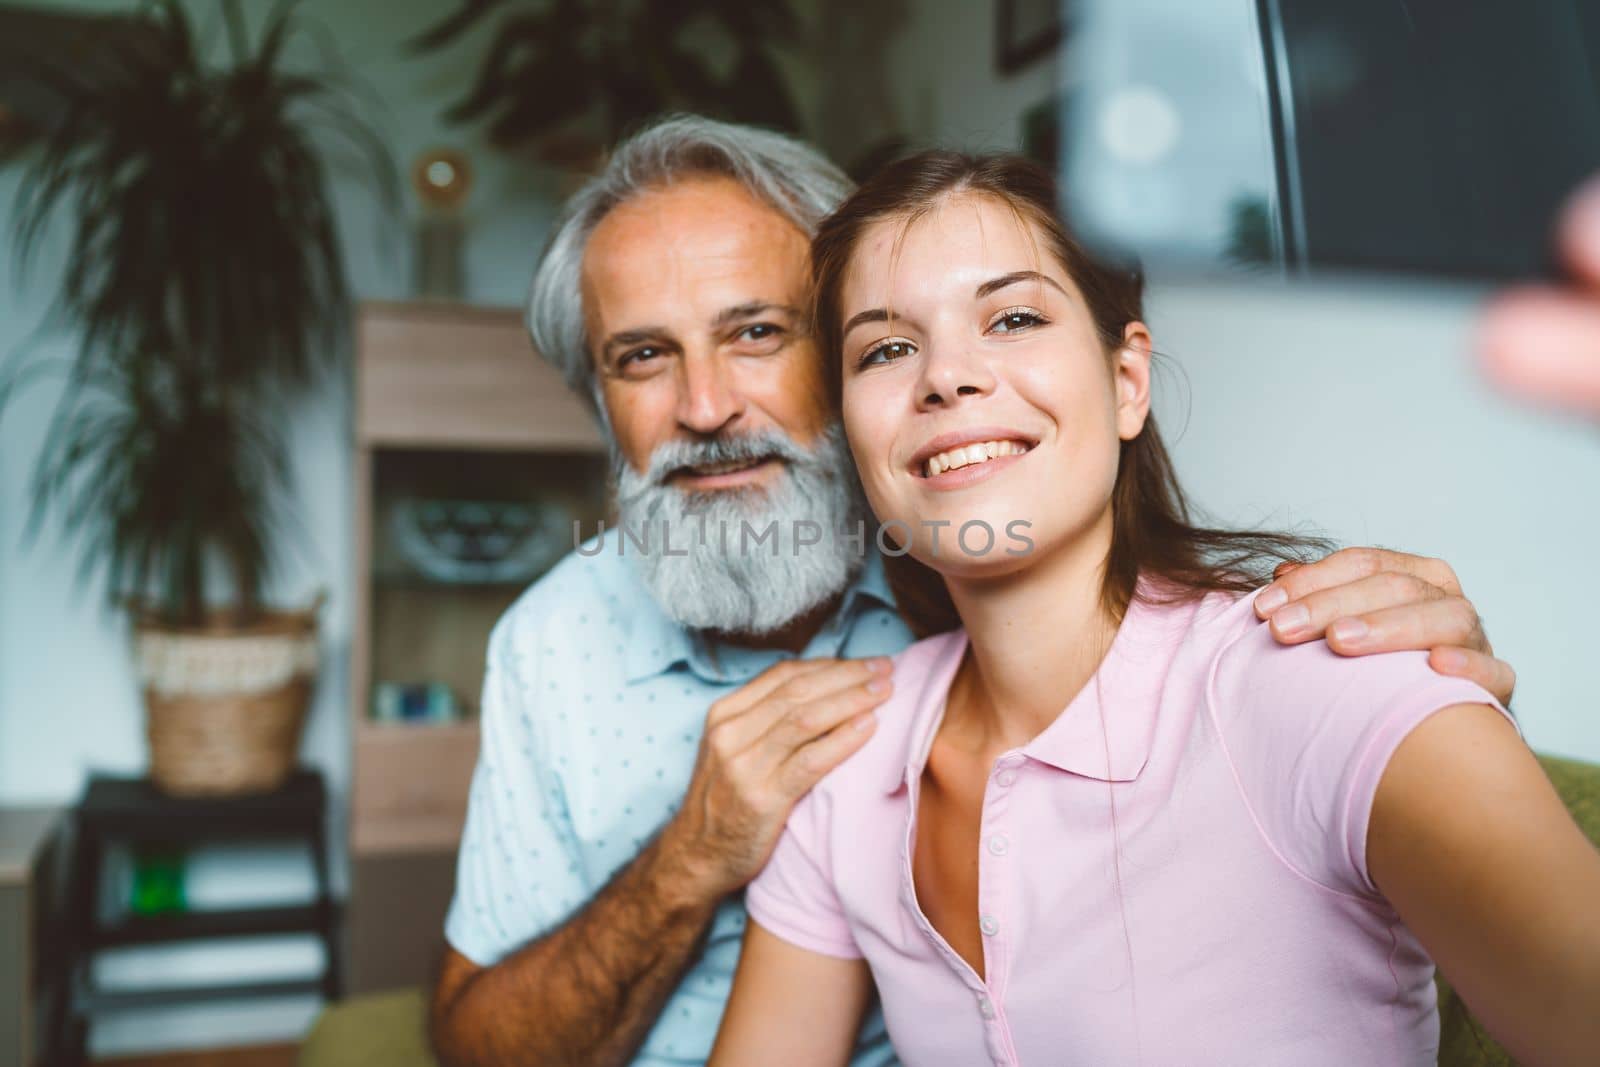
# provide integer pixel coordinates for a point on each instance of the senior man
(649, 719)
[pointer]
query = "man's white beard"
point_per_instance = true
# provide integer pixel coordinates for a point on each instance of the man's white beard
(733, 584)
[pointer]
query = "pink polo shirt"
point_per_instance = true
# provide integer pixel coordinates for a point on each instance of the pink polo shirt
(1173, 872)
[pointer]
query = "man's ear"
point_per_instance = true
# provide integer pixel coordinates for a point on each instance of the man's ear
(1130, 370)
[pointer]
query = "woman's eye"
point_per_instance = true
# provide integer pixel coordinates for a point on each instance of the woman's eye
(1012, 321)
(887, 352)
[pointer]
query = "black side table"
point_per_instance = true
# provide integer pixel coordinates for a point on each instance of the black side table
(132, 811)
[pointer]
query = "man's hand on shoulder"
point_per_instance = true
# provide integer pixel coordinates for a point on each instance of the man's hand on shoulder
(765, 746)
(1368, 600)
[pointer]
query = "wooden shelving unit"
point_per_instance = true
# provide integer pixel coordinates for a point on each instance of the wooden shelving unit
(451, 401)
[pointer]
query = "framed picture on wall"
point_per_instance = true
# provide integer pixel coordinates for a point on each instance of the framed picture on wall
(1026, 30)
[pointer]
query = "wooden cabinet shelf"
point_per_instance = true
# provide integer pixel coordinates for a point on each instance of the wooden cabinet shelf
(449, 376)
(456, 415)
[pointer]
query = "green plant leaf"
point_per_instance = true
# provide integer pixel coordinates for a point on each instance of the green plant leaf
(205, 281)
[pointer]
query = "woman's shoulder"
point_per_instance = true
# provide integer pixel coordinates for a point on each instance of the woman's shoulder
(1254, 674)
(1308, 734)
(921, 677)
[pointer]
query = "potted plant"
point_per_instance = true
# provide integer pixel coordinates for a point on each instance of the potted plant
(205, 282)
(571, 76)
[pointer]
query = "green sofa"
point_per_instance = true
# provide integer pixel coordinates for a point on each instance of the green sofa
(389, 1029)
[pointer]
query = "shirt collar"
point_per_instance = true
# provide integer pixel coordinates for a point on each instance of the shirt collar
(872, 581)
(654, 643)
(657, 644)
(1104, 733)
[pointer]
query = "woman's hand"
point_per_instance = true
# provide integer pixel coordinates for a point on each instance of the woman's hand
(790, 1006)
(1366, 600)
(1472, 847)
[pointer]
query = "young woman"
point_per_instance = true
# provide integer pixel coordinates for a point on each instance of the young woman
(1109, 820)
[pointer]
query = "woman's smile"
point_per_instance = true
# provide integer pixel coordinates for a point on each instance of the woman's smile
(959, 458)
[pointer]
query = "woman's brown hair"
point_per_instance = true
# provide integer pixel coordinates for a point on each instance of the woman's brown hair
(1154, 535)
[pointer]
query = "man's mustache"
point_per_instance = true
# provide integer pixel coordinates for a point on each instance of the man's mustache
(681, 457)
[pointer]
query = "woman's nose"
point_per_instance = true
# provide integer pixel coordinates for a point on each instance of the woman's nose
(952, 371)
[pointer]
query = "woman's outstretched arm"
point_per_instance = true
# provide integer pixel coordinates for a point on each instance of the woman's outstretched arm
(791, 1006)
(1471, 845)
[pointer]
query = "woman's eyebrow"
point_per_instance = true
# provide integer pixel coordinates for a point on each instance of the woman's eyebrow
(861, 317)
(994, 285)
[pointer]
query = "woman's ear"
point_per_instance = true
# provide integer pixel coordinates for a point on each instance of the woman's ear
(1130, 371)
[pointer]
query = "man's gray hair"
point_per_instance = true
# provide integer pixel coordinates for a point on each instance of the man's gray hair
(790, 175)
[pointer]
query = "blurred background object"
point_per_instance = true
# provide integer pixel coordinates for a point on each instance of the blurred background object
(565, 79)
(1026, 31)
(48, 57)
(1434, 137)
(442, 179)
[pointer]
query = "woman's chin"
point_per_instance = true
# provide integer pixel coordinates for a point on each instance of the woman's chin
(973, 568)
(969, 552)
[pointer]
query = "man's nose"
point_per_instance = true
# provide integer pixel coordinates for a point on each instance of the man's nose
(951, 370)
(708, 396)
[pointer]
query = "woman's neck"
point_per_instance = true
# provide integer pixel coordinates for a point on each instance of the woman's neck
(1036, 638)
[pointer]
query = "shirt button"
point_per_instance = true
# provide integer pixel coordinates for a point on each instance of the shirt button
(1006, 778)
(989, 925)
(986, 1007)
(998, 845)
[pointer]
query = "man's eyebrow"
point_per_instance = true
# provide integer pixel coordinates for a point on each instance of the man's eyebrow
(634, 337)
(994, 285)
(726, 317)
(749, 310)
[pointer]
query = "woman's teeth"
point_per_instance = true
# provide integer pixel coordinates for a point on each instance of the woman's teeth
(967, 455)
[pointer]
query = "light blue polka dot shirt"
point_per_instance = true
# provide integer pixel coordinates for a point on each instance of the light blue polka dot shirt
(593, 705)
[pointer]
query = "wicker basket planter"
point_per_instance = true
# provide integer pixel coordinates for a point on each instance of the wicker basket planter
(225, 703)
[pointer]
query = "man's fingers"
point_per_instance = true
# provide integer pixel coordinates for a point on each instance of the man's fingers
(1349, 566)
(1307, 617)
(802, 723)
(769, 681)
(794, 706)
(1493, 674)
(807, 765)
(1544, 343)
(1447, 621)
